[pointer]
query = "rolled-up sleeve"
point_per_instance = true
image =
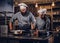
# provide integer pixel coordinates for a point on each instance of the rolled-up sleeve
(33, 20)
(13, 18)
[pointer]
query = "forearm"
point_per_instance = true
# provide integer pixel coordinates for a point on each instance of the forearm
(10, 25)
(32, 26)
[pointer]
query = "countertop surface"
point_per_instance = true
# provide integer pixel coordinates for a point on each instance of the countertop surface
(25, 37)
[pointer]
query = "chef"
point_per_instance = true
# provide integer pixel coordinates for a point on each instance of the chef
(42, 21)
(25, 18)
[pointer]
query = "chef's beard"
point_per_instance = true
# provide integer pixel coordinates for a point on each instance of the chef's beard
(44, 18)
(25, 13)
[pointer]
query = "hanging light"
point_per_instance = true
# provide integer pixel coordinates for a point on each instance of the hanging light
(36, 5)
(53, 4)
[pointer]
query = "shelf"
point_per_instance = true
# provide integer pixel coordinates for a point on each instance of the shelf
(56, 20)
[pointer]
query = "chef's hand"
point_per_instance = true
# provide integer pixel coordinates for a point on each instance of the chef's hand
(20, 31)
(36, 32)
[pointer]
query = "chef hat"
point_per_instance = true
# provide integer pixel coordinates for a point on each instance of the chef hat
(22, 7)
(42, 11)
(22, 4)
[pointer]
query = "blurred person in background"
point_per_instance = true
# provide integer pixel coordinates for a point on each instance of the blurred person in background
(42, 21)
